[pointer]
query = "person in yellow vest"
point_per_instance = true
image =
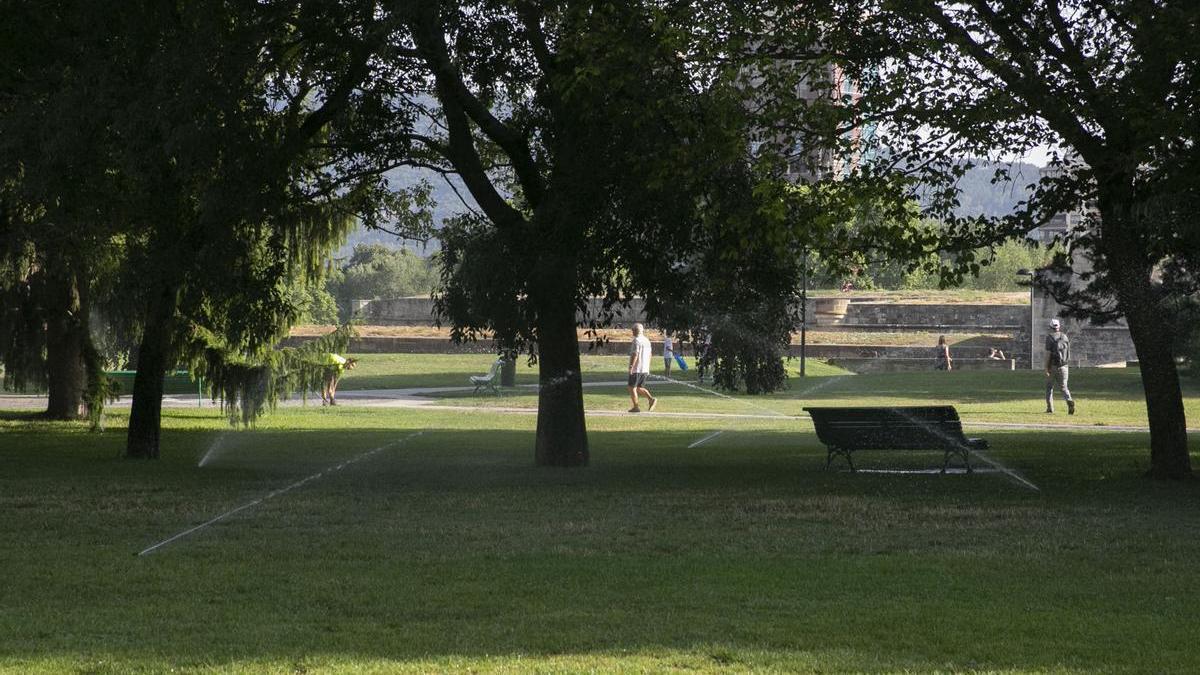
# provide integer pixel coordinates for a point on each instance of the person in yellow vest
(335, 365)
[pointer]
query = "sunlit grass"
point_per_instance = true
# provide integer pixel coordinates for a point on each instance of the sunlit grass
(453, 552)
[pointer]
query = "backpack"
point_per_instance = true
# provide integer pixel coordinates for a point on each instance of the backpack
(1060, 349)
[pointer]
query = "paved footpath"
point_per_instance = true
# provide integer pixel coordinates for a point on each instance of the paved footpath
(417, 397)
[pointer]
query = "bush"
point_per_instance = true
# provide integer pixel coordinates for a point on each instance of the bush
(376, 271)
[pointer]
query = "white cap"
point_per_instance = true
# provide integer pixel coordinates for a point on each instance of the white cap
(1054, 324)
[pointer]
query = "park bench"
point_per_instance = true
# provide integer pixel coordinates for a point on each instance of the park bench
(846, 430)
(488, 381)
(175, 382)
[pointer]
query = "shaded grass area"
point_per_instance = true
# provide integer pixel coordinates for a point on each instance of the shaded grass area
(453, 552)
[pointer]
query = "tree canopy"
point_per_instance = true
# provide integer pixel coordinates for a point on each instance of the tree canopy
(1110, 87)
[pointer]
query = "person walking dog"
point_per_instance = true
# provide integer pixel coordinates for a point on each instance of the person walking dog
(640, 354)
(1058, 352)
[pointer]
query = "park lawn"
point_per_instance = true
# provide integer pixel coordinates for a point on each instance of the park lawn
(1106, 396)
(450, 551)
(404, 371)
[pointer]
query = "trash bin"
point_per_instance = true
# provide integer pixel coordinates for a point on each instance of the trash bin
(508, 372)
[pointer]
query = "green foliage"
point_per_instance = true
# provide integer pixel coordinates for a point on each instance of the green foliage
(998, 269)
(377, 271)
(22, 329)
(250, 384)
(314, 304)
(1110, 88)
(588, 218)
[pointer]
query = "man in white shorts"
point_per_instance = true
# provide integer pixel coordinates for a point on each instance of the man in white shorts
(640, 354)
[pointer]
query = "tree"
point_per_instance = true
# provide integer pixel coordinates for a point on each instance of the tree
(54, 244)
(204, 142)
(1113, 86)
(236, 186)
(377, 271)
(587, 141)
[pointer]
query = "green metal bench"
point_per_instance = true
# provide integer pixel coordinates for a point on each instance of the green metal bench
(175, 382)
(847, 430)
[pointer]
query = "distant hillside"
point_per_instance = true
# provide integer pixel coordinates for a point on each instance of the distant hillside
(979, 197)
(448, 205)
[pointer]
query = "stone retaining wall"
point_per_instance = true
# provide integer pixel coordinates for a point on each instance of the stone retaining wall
(909, 365)
(419, 312)
(965, 315)
(1024, 325)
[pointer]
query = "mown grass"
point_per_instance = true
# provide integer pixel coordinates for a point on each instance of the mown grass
(403, 371)
(452, 552)
(1105, 396)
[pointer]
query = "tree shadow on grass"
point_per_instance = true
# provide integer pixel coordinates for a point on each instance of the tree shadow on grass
(452, 550)
(28, 415)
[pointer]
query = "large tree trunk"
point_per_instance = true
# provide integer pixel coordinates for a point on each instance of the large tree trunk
(65, 333)
(1164, 401)
(1151, 331)
(145, 414)
(561, 431)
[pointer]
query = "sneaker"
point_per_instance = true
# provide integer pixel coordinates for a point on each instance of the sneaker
(653, 402)
(635, 409)
(1049, 411)
(1070, 407)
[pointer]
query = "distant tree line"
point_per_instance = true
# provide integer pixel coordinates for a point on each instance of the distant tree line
(371, 271)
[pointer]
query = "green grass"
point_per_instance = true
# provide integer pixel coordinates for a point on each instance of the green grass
(451, 552)
(1106, 396)
(403, 371)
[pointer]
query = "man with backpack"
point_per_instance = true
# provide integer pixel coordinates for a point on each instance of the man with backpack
(1058, 352)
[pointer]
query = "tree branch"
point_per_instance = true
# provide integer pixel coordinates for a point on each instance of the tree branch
(453, 92)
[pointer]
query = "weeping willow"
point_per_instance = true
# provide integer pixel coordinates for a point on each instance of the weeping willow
(248, 385)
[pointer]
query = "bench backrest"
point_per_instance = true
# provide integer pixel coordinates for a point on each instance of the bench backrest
(901, 428)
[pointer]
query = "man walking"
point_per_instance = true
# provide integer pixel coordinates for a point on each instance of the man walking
(1058, 352)
(640, 354)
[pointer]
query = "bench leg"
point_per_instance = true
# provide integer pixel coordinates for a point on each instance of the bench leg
(961, 452)
(833, 451)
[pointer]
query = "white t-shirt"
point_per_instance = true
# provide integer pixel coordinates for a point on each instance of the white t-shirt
(641, 351)
(668, 346)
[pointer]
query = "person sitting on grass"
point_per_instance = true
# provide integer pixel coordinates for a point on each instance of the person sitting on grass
(335, 365)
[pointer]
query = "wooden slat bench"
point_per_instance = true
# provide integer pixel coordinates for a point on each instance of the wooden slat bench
(846, 430)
